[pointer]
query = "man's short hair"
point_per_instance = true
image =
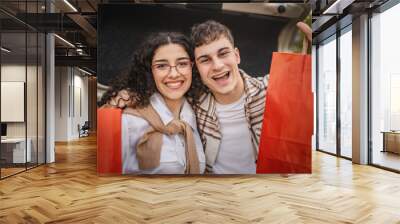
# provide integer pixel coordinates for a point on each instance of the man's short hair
(206, 32)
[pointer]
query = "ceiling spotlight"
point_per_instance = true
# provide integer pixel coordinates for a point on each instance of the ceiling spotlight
(70, 5)
(5, 50)
(84, 71)
(338, 6)
(65, 41)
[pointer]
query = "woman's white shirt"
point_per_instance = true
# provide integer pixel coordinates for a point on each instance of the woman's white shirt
(172, 158)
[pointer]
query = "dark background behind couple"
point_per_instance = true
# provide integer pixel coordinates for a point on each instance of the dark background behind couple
(122, 28)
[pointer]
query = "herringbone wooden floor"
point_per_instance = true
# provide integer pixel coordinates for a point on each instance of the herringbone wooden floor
(70, 191)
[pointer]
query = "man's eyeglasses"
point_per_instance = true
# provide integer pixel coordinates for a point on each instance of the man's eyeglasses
(182, 67)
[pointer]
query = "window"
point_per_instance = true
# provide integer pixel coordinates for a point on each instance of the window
(327, 96)
(385, 88)
(346, 92)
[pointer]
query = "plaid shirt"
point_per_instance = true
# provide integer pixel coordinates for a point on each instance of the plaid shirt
(209, 127)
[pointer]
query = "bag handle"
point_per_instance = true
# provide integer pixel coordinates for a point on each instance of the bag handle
(305, 46)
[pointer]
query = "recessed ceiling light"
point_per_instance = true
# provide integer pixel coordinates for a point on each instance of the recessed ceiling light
(70, 5)
(65, 41)
(5, 50)
(338, 6)
(84, 71)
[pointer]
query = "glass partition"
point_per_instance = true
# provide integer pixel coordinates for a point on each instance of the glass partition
(327, 95)
(23, 87)
(41, 109)
(31, 97)
(13, 94)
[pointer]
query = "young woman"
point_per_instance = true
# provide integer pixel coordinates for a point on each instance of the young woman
(159, 134)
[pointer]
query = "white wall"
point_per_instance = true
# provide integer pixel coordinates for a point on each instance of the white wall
(61, 103)
(13, 72)
(71, 94)
(80, 102)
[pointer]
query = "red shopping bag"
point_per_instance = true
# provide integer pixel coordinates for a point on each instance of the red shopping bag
(109, 159)
(285, 142)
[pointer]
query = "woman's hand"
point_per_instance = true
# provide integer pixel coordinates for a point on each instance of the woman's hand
(120, 100)
(306, 29)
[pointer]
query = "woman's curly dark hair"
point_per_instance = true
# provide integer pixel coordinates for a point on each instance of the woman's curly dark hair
(139, 81)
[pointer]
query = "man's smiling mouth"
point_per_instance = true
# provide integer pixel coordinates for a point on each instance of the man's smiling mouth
(222, 76)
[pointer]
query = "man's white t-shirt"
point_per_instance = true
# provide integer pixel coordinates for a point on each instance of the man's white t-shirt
(236, 154)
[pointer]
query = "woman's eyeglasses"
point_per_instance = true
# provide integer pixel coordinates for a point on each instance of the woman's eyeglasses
(182, 67)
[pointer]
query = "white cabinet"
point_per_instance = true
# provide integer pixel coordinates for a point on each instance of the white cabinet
(16, 148)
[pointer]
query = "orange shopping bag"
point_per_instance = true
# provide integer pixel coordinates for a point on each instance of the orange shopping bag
(285, 142)
(109, 159)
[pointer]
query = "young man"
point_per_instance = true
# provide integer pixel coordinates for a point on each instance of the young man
(230, 115)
